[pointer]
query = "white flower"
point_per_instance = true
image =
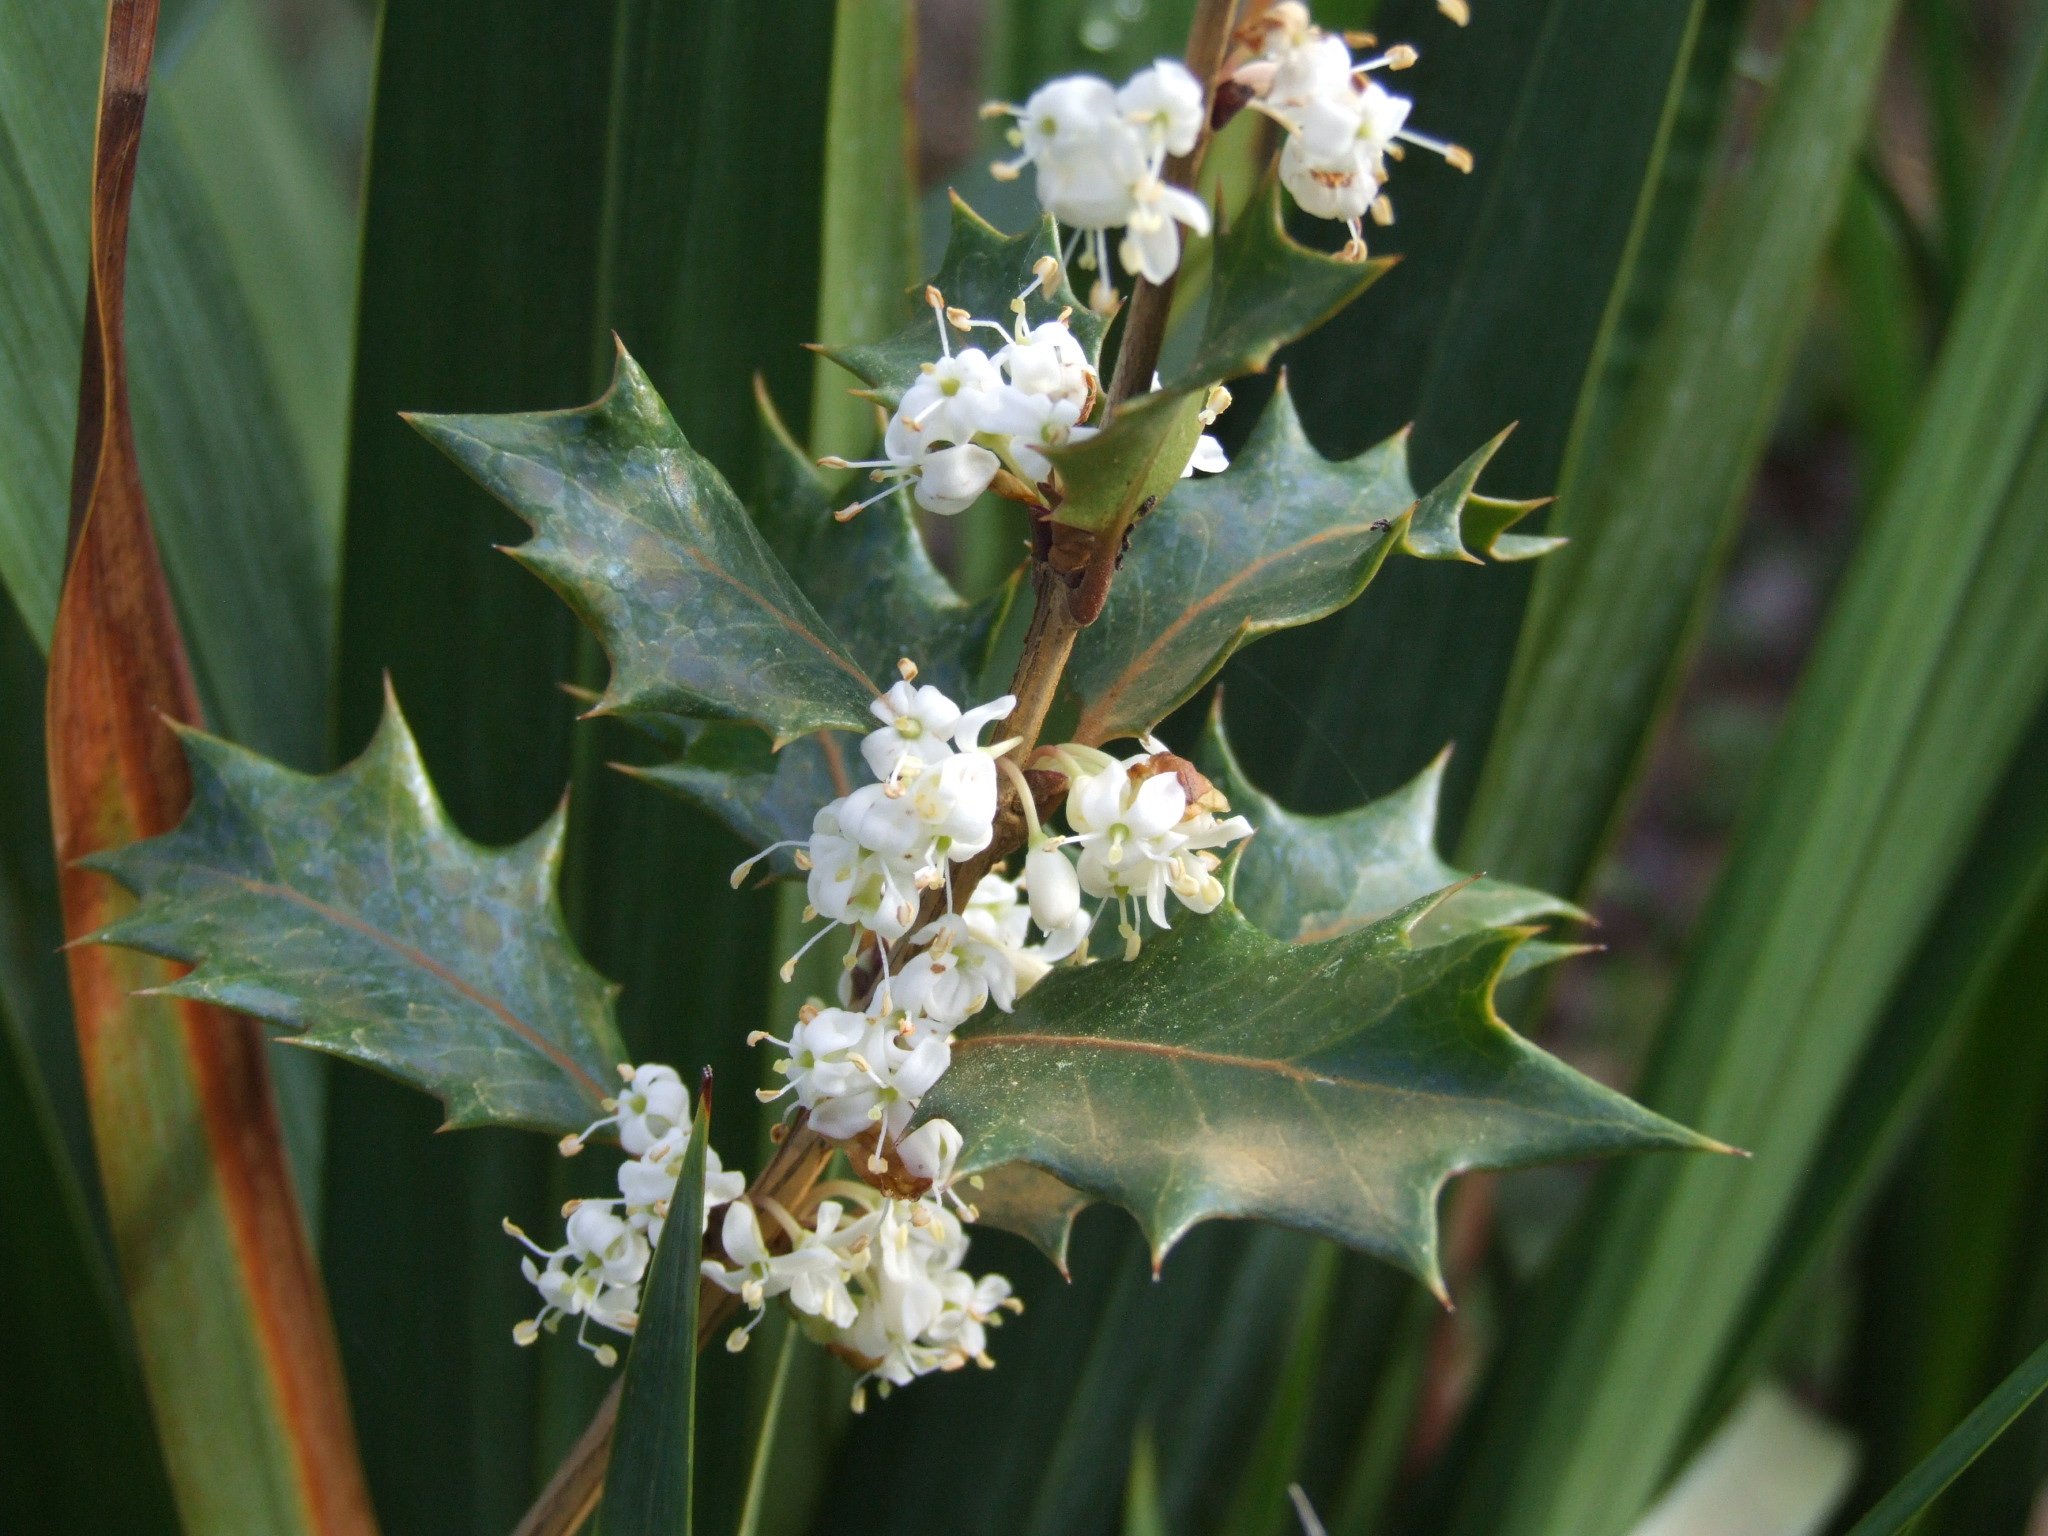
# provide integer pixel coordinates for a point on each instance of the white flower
(652, 1104)
(948, 403)
(812, 1274)
(930, 1151)
(1165, 104)
(594, 1276)
(851, 883)
(1342, 125)
(1151, 244)
(916, 722)
(917, 1311)
(1100, 153)
(950, 480)
(1140, 839)
(1208, 458)
(1047, 359)
(647, 1184)
(1054, 889)
(1034, 423)
(854, 1072)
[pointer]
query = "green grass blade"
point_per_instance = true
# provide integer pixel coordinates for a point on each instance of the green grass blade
(246, 540)
(650, 1483)
(492, 118)
(1650, 520)
(1143, 1515)
(754, 1511)
(1272, 1465)
(1491, 318)
(1902, 726)
(1964, 989)
(1883, 324)
(77, 1444)
(286, 228)
(616, 178)
(1990, 1419)
(870, 214)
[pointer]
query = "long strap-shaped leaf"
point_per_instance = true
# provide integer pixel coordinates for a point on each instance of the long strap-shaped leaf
(1965, 1443)
(1934, 658)
(648, 1490)
(233, 1327)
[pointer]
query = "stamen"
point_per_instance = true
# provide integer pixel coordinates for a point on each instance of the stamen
(1459, 12)
(739, 874)
(1455, 155)
(848, 514)
(789, 965)
(937, 300)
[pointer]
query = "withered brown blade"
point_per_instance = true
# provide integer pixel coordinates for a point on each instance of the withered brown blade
(237, 1344)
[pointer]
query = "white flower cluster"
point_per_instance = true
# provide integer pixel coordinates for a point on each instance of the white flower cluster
(1146, 826)
(970, 416)
(1342, 125)
(1100, 155)
(874, 1276)
(595, 1275)
(885, 1290)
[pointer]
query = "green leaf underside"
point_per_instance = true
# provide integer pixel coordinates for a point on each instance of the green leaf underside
(1281, 538)
(643, 538)
(1028, 1201)
(347, 908)
(1330, 1087)
(1306, 878)
(982, 272)
(875, 584)
(649, 1481)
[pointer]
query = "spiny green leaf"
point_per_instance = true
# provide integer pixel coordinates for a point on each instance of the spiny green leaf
(1031, 1203)
(872, 577)
(1331, 1087)
(1267, 291)
(1304, 878)
(875, 584)
(347, 908)
(1281, 538)
(645, 540)
(983, 271)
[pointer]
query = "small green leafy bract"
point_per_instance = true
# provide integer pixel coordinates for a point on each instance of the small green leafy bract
(1304, 878)
(347, 908)
(646, 541)
(982, 272)
(1330, 1087)
(1281, 538)
(1268, 290)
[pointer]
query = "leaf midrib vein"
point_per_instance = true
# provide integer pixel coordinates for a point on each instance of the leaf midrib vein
(495, 1006)
(1103, 704)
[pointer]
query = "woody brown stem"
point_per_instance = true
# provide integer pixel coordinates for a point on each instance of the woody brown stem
(790, 1175)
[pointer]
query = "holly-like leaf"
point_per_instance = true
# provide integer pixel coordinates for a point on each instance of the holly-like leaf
(1283, 537)
(1331, 1087)
(1031, 1203)
(645, 540)
(1268, 289)
(875, 584)
(1307, 878)
(982, 272)
(346, 908)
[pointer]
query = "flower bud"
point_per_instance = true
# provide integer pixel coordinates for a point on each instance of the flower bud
(1054, 889)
